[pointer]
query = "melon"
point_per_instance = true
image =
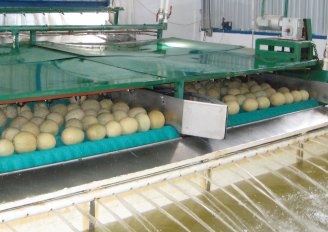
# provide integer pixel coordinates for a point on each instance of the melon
(297, 95)
(106, 104)
(265, 86)
(72, 135)
(59, 108)
(90, 105)
(96, 132)
(250, 105)
(74, 123)
(3, 118)
(136, 110)
(49, 126)
(9, 133)
(251, 83)
(224, 91)
(119, 115)
(263, 102)
(234, 85)
(39, 105)
(260, 94)
(244, 90)
(11, 112)
(129, 125)
(283, 90)
(305, 95)
(240, 99)
(76, 113)
(250, 96)
(143, 122)
(227, 98)
(41, 112)
(233, 91)
(120, 106)
(37, 120)
(18, 122)
(104, 118)
(157, 119)
(277, 99)
(23, 108)
(72, 106)
(93, 97)
(27, 114)
(30, 127)
(88, 121)
(255, 88)
(24, 142)
(270, 91)
(113, 129)
(213, 92)
(233, 107)
(45, 141)
(288, 98)
(6, 147)
(56, 117)
(91, 113)
(102, 110)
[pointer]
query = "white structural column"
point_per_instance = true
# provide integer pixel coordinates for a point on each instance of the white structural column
(325, 62)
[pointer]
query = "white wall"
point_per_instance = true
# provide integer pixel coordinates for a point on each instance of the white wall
(184, 22)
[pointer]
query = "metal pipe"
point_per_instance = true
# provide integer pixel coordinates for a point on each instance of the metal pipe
(262, 7)
(286, 8)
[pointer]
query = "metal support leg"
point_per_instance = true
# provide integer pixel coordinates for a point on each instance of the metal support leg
(209, 176)
(15, 39)
(179, 89)
(92, 212)
(32, 37)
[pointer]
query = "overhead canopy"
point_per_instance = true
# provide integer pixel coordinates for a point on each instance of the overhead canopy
(57, 70)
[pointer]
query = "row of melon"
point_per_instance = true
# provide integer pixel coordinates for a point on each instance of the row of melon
(250, 96)
(31, 130)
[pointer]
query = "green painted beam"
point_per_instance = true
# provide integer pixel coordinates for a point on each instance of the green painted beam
(17, 29)
(29, 10)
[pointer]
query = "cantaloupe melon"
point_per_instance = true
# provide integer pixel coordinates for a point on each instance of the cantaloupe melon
(288, 98)
(9, 133)
(41, 112)
(49, 126)
(157, 119)
(277, 99)
(91, 113)
(255, 88)
(104, 118)
(283, 90)
(227, 98)
(26, 114)
(72, 135)
(3, 118)
(136, 110)
(73, 106)
(56, 117)
(106, 104)
(233, 107)
(305, 95)
(59, 108)
(250, 105)
(6, 147)
(18, 122)
(113, 129)
(119, 115)
(129, 125)
(297, 96)
(88, 121)
(90, 105)
(143, 122)
(24, 142)
(76, 113)
(120, 106)
(30, 127)
(74, 123)
(96, 132)
(45, 141)
(11, 112)
(263, 102)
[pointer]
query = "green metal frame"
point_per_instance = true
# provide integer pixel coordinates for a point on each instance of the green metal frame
(288, 50)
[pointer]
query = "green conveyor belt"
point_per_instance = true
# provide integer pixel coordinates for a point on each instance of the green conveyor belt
(62, 153)
(259, 115)
(54, 70)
